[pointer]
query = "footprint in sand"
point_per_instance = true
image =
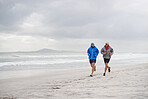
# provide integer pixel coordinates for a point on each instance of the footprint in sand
(56, 88)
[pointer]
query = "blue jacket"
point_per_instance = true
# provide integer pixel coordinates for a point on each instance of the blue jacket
(92, 51)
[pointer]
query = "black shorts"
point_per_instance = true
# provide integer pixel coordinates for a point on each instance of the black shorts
(106, 60)
(92, 61)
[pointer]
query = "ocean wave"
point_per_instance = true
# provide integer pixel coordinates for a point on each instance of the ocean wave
(40, 62)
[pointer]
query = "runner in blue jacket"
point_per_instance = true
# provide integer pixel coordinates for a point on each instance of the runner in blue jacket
(92, 53)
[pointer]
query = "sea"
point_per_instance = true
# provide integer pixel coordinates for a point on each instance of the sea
(22, 64)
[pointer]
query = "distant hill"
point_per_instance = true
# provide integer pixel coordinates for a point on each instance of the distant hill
(45, 50)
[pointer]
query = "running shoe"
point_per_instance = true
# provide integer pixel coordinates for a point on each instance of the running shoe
(91, 75)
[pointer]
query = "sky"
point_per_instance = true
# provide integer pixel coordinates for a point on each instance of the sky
(71, 25)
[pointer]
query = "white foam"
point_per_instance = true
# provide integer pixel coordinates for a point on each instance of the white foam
(40, 62)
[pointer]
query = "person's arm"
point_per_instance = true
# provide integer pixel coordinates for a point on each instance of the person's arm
(97, 52)
(111, 51)
(88, 52)
(102, 51)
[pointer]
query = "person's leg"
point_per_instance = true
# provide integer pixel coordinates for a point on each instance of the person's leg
(105, 69)
(93, 67)
(106, 66)
(91, 64)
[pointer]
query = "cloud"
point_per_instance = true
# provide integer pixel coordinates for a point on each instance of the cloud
(24, 43)
(74, 19)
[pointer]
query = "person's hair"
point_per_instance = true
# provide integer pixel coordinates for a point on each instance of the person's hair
(107, 43)
(92, 44)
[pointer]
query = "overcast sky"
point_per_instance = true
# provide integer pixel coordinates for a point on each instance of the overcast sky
(27, 25)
